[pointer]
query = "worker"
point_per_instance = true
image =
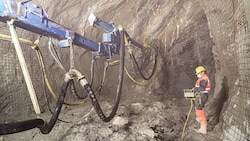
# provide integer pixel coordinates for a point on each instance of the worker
(201, 89)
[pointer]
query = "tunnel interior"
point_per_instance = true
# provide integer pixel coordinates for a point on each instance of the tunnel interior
(186, 33)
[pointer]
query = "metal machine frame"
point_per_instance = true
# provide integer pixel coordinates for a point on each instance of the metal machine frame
(34, 19)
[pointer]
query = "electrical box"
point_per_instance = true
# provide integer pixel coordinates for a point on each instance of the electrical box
(64, 43)
(188, 93)
(107, 37)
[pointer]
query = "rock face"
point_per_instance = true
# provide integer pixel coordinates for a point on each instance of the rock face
(179, 29)
(187, 33)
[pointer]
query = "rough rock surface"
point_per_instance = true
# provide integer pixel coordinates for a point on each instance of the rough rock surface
(183, 35)
(145, 116)
(155, 121)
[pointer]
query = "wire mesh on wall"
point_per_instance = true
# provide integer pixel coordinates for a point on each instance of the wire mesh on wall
(15, 102)
(229, 28)
(238, 113)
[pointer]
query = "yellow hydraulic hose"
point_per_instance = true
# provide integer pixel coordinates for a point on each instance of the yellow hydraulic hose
(49, 86)
(130, 51)
(103, 78)
(54, 94)
(78, 102)
(8, 38)
(191, 107)
(144, 42)
(34, 45)
(139, 83)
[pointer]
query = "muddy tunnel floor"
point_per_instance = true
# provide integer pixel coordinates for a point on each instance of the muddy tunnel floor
(145, 118)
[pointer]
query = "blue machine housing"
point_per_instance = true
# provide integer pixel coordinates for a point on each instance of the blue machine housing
(33, 18)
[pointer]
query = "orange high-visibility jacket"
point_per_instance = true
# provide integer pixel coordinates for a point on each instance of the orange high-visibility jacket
(203, 84)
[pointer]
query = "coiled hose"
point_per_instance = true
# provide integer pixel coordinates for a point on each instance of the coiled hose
(74, 92)
(154, 52)
(91, 93)
(58, 61)
(10, 128)
(47, 127)
(119, 87)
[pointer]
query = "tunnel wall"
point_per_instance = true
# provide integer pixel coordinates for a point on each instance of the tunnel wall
(14, 96)
(189, 45)
(230, 31)
(218, 29)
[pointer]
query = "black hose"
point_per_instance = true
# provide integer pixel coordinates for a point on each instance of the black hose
(74, 92)
(45, 129)
(154, 52)
(10, 128)
(119, 87)
(133, 42)
(39, 54)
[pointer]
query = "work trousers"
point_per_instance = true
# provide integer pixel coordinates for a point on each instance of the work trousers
(201, 99)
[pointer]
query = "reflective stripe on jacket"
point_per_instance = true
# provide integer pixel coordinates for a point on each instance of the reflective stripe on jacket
(208, 83)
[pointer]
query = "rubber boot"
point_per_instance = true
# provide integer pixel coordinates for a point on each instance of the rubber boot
(197, 119)
(203, 128)
(199, 114)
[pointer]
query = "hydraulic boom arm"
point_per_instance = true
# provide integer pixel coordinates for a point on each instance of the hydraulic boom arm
(33, 18)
